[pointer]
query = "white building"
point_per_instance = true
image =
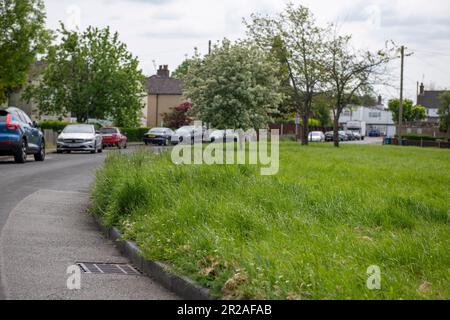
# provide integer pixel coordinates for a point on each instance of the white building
(376, 119)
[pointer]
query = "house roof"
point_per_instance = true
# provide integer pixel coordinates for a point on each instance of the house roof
(164, 85)
(429, 99)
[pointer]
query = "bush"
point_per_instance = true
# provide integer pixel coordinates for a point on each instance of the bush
(422, 137)
(135, 134)
(54, 125)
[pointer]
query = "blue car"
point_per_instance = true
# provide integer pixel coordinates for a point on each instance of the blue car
(19, 136)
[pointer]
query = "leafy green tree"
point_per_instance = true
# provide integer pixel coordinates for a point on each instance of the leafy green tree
(23, 36)
(181, 70)
(287, 108)
(350, 74)
(411, 112)
(444, 111)
(91, 75)
(302, 49)
(321, 109)
(234, 87)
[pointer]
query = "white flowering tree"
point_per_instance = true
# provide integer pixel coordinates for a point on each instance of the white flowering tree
(234, 87)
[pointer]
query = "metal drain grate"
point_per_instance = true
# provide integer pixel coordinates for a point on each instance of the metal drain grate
(108, 268)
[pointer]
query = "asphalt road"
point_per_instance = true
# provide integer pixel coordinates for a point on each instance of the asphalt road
(65, 175)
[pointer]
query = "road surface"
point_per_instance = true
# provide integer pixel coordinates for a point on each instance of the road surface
(44, 230)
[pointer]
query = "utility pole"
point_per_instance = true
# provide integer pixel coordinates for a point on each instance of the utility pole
(209, 47)
(400, 122)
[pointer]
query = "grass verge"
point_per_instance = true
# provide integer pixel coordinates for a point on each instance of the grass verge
(310, 232)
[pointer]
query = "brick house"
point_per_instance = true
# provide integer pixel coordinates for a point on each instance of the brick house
(430, 100)
(164, 94)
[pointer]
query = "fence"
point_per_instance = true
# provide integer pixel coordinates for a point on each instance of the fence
(291, 129)
(418, 143)
(50, 137)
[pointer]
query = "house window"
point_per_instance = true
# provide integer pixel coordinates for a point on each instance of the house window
(347, 113)
(374, 114)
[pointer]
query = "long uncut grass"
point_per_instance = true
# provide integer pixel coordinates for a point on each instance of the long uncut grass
(310, 232)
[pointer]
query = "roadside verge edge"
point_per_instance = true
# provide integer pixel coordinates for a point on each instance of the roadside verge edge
(160, 272)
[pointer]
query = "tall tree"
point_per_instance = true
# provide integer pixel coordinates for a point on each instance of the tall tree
(444, 111)
(350, 74)
(303, 50)
(23, 36)
(181, 70)
(411, 112)
(234, 87)
(91, 74)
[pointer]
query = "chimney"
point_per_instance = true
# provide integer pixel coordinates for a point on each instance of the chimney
(422, 89)
(163, 71)
(380, 100)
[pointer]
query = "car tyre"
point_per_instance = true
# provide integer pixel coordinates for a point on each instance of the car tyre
(21, 155)
(40, 156)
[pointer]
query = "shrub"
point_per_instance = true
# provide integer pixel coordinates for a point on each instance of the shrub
(55, 125)
(135, 134)
(423, 137)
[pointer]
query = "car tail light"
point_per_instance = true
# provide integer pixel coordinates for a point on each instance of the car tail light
(11, 125)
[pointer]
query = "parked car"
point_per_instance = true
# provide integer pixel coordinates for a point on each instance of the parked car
(159, 136)
(316, 136)
(79, 137)
(113, 137)
(223, 136)
(374, 133)
(329, 136)
(351, 136)
(357, 135)
(188, 134)
(19, 136)
(343, 136)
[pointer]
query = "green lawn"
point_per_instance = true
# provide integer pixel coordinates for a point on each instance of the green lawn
(309, 232)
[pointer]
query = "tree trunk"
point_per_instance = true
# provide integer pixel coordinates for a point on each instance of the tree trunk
(336, 131)
(305, 131)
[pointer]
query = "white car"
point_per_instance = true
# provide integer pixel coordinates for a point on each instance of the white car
(316, 136)
(187, 134)
(79, 137)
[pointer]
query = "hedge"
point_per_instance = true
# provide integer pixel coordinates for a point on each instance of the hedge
(423, 137)
(54, 125)
(135, 134)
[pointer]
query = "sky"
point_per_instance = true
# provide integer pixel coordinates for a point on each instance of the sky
(164, 32)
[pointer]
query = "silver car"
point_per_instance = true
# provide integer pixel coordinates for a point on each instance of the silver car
(79, 137)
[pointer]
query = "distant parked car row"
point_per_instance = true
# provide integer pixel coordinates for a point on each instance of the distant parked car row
(190, 135)
(84, 137)
(344, 136)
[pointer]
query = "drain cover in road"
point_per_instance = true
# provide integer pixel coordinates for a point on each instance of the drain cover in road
(108, 268)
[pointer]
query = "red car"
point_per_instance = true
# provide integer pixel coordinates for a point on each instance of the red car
(112, 137)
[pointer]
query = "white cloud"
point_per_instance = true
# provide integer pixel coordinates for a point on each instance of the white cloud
(166, 30)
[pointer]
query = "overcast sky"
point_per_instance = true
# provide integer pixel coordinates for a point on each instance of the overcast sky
(165, 31)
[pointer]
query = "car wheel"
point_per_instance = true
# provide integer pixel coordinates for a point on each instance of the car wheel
(40, 156)
(59, 151)
(21, 155)
(95, 149)
(125, 146)
(100, 149)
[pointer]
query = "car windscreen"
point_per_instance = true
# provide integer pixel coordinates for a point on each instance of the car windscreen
(78, 129)
(158, 131)
(108, 130)
(185, 130)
